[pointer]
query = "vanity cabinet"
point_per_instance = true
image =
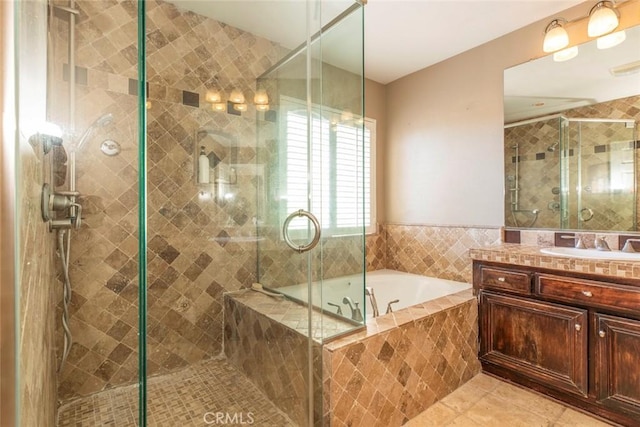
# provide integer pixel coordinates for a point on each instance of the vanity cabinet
(573, 336)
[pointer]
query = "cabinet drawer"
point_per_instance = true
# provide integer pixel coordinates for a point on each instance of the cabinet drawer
(588, 292)
(507, 280)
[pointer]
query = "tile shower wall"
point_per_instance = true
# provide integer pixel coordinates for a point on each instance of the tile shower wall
(437, 251)
(193, 254)
(539, 169)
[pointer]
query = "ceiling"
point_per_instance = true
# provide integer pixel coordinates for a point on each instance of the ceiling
(401, 36)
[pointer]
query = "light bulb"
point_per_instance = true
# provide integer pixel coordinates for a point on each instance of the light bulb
(555, 38)
(262, 107)
(602, 19)
(261, 97)
(237, 97)
(213, 96)
(219, 106)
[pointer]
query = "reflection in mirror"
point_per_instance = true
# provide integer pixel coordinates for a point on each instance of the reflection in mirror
(570, 139)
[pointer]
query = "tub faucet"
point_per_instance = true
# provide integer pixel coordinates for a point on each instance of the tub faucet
(389, 309)
(339, 309)
(356, 314)
(372, 298)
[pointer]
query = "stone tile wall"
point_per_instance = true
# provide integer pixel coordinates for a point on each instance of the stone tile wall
(199, 246)
(437, 251)
(385, 374)
(193, 252)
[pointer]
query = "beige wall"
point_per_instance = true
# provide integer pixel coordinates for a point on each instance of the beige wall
(445, 130)
(375, 96)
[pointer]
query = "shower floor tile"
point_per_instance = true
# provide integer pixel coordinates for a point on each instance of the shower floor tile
(213, 387)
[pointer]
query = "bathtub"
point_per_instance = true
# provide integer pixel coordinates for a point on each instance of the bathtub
(388, 285)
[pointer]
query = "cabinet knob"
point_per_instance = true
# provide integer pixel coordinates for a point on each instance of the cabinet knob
(601, 334)
(578, 327)
(587, 293)
(500, 279)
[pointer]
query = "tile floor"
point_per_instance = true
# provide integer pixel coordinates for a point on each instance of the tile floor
(489, 402)
(179, 399)
(182, 398)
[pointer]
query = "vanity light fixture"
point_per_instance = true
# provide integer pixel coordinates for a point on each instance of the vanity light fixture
(565, 54)
(240, 106)
(625, 69)
(237, 97)
(603, 19)
(555, 36)
(261, 100)
(213, 97)
(219, 106)
(611, 40)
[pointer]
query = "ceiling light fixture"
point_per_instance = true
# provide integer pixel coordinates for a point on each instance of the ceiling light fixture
(611, 40)
(603, 19)
(555, 36)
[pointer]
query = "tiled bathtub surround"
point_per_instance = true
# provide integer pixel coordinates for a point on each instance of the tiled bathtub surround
(389, 372)
(437, 251)
(401, 364)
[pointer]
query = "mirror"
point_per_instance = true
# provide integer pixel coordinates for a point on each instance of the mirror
(570, 136)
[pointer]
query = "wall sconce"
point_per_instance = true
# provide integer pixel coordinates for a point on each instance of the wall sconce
(213, 97)
(219, 106)
(261, 100)
(555, 36)
(241, 106)
(603, 19)
(237, 97)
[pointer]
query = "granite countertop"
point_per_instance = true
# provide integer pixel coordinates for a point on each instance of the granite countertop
(518, 254)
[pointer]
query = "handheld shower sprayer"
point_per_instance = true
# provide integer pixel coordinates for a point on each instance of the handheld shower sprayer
(100, 122)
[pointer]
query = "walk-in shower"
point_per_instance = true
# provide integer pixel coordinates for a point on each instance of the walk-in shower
(136, 311)
(582, 171)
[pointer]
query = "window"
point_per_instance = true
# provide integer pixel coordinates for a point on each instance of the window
(336, 182)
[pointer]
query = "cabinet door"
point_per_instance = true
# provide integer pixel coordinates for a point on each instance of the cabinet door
(545, 342)
(617, 372)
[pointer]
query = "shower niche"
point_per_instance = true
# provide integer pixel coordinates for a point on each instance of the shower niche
(215, 164)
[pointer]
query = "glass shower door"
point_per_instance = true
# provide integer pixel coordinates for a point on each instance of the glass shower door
(604, 174)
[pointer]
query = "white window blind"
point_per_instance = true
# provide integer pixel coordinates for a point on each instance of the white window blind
(333, 175)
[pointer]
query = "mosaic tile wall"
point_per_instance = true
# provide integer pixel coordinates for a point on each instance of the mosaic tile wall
(383, 375)
(251, 335)
(437, 251)
(390, 377)
(194, 255)
(606, 153)
(199, 246)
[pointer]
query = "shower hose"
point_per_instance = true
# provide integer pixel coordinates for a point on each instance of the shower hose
(63, 252)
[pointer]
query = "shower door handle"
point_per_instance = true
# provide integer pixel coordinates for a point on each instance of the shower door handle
(316, 236)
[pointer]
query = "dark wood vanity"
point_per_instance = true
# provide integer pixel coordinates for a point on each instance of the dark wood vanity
(573, 336)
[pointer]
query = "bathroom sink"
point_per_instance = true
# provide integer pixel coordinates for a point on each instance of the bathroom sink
(592, 254)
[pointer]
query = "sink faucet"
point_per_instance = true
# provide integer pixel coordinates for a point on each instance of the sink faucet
(356, 314)
(602, 244)
(628, 245)
(579, 243)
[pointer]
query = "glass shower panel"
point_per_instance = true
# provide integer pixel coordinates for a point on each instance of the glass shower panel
(605, 175)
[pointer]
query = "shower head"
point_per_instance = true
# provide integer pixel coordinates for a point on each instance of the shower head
(100, 122)
(553, 147)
